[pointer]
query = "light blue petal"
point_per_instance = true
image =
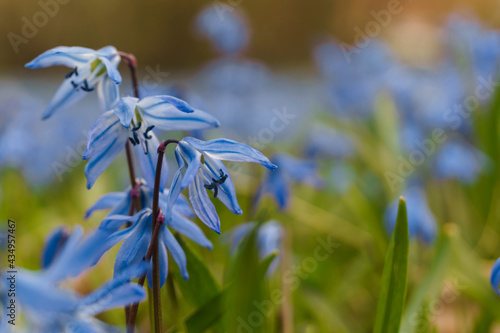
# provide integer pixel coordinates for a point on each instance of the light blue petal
(63, 56)
(161, 102)
(189, 229)
(225, 149)
(148, 162)
(176, 252)
(226, 191)
(168, 203)
(107, 201)
(135, 247)
(107, 138)
(54, 243)
(170, 117)
(109, 52)
(163, 262)
(495, 276)
(108, 93)
(113, 73)
(34, 293)
(124, 110)
(65, 97)
(202, 205)
(114, 222)
(183, 207)
(192, 159)
(103, 133)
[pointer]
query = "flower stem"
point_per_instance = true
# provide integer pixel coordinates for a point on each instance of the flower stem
(153, 249)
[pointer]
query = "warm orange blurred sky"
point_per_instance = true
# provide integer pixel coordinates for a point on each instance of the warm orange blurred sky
(161, 32)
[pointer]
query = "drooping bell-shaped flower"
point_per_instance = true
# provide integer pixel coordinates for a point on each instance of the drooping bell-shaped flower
(291, 170)
(91, 70)
(201, 169)
(133, 120)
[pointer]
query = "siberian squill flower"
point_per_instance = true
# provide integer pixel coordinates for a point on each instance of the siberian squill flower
(133, 120)
(269, 237)
(201, 169)
(421, 222)
(137, 238)
(53, 309)
(291, 170)
(90, 70)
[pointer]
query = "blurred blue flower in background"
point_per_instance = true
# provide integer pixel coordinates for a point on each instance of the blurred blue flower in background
(90, 69)
(327, 142)
(269, 238)
(475, 43)
(457, 159)
(495, 276)
(353, 79)
(224, 26)
(421, 221)
(52, 309)
(277, 183)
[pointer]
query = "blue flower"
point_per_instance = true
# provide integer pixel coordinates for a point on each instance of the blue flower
(53, 309)
(269, 237)
(421, 222)
(133, 119)
(353, 78)
(90, 69)
(225, 27)
(200, 168)
(458, 159)
(495, 276)
(137, 238)
(291, 170)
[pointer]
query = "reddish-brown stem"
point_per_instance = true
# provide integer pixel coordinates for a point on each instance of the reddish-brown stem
(152, 252)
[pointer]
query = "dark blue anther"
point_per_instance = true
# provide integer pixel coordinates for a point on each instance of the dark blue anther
(75, 86)
(85, 86)
(146, 135)
(216, 182)
(70, 74)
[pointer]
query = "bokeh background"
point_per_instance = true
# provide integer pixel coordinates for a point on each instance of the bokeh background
(354, 120)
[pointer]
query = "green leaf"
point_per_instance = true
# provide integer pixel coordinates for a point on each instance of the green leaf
(201, 285)
(430, 288)
(209, 313)
(393, 291)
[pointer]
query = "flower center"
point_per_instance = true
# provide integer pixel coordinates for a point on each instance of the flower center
(216, 182)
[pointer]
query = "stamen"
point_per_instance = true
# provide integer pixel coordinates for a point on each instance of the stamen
(216, 182)
(146, 135)
(132, 141)
(85, 86)
(75, 86)
(70, 74)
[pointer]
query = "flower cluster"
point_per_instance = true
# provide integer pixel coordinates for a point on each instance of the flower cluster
(132, 124)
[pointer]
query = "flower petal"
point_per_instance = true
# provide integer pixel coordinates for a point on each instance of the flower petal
(113, 73)
(225, 149)
(203, 207)
(134, 248)
(176, 251)
(175, 117)
(65, 97)
(63, 56)
(163, 262)
(124, 110)
(189, 229)
(226, 191)
(192, 159)
(107, 201)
